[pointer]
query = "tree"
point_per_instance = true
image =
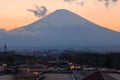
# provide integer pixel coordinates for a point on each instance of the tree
(9, 60)
(108, 62)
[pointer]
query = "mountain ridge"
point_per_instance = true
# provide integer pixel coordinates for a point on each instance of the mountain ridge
(64, 29)
(58, 13)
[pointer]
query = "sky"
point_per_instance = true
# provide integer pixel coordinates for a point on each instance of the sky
(18, 13)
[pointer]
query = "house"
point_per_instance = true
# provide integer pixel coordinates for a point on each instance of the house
(31, 66)
(25, 76)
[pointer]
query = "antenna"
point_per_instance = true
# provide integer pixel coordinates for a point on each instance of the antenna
(5, 48)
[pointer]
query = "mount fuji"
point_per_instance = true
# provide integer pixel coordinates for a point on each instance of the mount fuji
(62, 29)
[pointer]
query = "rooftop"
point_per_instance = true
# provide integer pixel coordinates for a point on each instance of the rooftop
(99, 76)
(57, 76)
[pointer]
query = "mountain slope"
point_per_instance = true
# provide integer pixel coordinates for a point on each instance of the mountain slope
(63, 29)
(61, 19)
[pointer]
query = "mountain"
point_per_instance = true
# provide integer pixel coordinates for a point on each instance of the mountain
(61, 19)
(63, 29)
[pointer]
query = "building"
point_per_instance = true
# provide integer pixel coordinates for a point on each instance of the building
(99, 75)
(6, 77)
(31, 66)
(59, 65)
(26, 76)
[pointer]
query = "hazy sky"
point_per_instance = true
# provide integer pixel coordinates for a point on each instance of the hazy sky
(13, 13)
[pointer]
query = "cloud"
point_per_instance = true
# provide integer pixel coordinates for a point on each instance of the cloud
(108, 2)
(81, 3)
(114, 0)
(70, 1)
(77, 2)
(39, 11)
(43, 11)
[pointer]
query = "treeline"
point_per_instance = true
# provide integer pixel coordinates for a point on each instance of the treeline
(11, 58)
(93, 59)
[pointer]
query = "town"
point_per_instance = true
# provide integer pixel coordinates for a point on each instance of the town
(58, 65)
